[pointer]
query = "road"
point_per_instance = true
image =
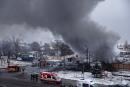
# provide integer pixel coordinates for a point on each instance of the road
(20, 80)
(6, 82)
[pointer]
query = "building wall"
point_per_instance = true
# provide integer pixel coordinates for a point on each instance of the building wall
(119, 66)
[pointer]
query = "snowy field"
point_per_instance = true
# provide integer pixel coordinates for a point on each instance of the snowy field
(4, 64)
(122, 73)
(21, 63)
(87, 77)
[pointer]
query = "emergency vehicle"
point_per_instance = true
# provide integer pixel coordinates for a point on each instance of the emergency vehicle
(13, 68)
(49, 77)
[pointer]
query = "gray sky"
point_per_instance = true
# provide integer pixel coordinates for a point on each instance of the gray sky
(114, 15)
(65, 18)
(25, 33)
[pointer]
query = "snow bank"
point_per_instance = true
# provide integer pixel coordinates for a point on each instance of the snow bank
(87, 77)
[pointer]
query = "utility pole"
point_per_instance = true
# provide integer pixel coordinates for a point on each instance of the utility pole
(57, 48)
(87, 55)
(83, 67)
(88, 58)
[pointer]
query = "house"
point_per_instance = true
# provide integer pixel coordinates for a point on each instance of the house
(122, 61)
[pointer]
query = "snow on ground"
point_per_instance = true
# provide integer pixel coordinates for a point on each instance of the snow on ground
(88, 78)
(32, 70)
(4, 64)
(122, 73)
(21, 63)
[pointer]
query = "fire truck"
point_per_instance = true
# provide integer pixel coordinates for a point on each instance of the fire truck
(49, 77)
(13, 68)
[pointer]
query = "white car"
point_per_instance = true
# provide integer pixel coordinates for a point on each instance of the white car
(19, 58)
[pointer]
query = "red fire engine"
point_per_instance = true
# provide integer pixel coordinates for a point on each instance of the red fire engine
(13, 68)
(49, 77)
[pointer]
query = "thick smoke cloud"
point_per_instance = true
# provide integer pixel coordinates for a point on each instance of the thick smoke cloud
(62, 17)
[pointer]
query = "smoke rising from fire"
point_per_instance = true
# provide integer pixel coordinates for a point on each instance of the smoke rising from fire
(62, 17)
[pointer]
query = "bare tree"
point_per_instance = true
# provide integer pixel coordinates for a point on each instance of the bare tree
(16, 45)
(7, 49)
(35, 46)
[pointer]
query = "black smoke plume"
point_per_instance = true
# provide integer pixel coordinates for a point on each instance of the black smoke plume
(68, 18)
